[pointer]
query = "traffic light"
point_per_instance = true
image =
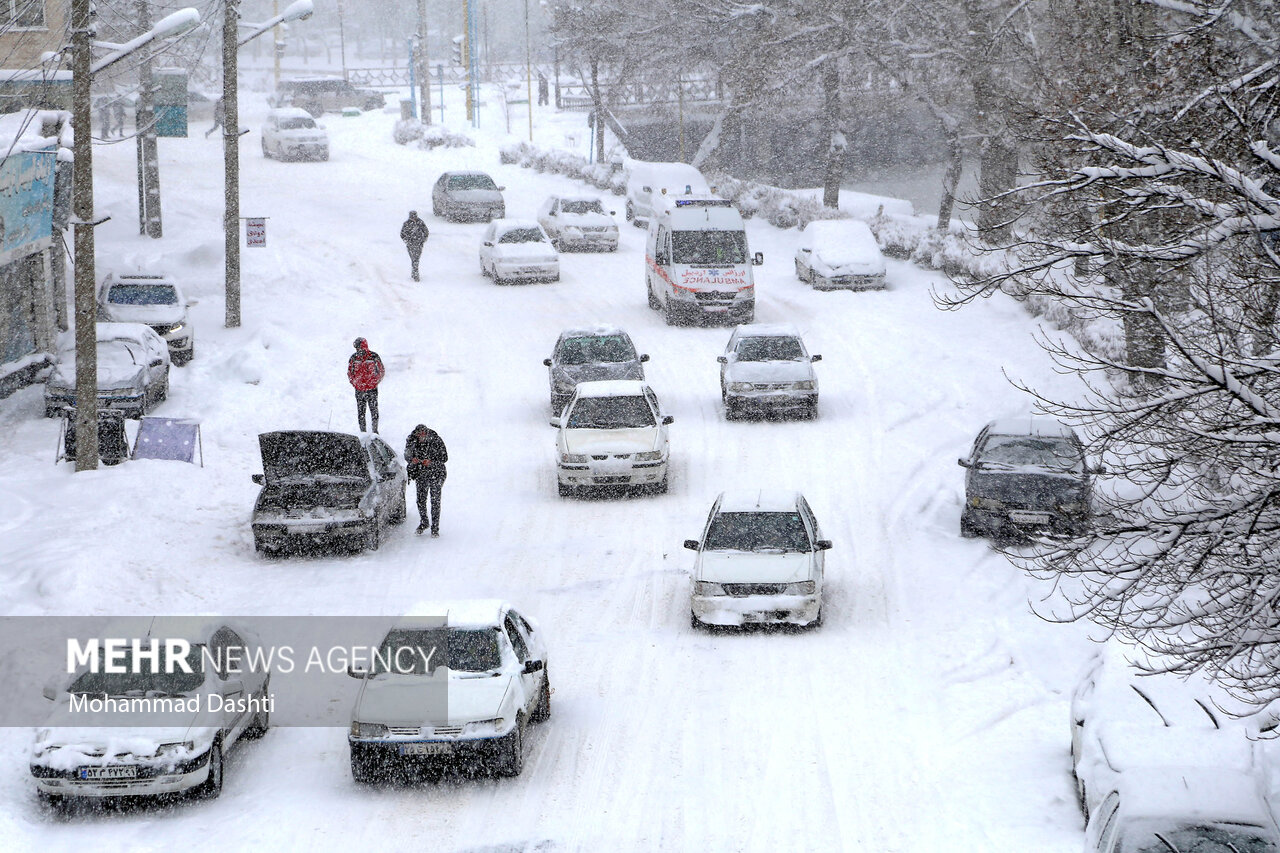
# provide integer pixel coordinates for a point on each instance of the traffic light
(457, 49)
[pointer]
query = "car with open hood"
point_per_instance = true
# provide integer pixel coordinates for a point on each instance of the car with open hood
(578, 222)
(454, 684)
(292, 133)
(761, 560)
(155, 300)
(133, 371)
(612, 435)
(518, 250)
(326, 488)
(590, 354)
(766, 368)
(1026, 475)
(146, 730)
(840, 253)
(462, 195)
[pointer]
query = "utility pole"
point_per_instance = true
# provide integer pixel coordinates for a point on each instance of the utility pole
(466, 55)
(86, 334)
(231, 157)
(145, 126)
(277, 44)
(424, 65)
(528, 67)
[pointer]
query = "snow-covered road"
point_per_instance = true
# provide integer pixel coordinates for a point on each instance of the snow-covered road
(928, 713)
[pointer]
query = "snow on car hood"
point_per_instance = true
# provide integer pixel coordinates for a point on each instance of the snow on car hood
(769, 371)
(413, 700)
(634, 440)
(537, 253)
(116, 368)
(475, 196)
(850, 261)
(138, 734)
(596, 372)
(152, 315)
(754, 567)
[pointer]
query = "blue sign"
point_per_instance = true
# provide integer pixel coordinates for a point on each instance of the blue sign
(26, 203)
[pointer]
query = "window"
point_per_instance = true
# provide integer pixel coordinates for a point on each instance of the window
(770, 349)
(517, 641)
(757, 531)
(143, 294)
(710, 247)
(22, 14)
(581, 207)
(630, 412)
(609, 349)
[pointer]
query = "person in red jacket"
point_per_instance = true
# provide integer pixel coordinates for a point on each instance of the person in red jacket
(365, 371)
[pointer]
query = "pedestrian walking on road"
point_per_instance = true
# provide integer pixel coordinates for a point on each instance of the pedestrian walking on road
(425, 453)
(365, 371)
(219, 117)
(414, 233)
(117, 114)
(543, 96)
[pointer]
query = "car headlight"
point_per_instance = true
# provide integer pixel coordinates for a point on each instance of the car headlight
(708, 588)
(806, 385)
(648, 455)
(985, 503)
(573, 457)
(497, 724)
(176, 327)
(800, 588)
(368, 729)
(739, 386)
(171, 748)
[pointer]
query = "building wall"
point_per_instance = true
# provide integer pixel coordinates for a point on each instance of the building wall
(21, 48)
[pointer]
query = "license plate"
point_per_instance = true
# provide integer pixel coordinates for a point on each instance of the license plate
(119, 771)
(308, 528)
(1029, 517)
(609, 480)
(426, 749)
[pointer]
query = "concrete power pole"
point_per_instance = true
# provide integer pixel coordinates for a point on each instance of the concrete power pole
(145, 126)
(86, 421)
(424, 65)
(231, 157)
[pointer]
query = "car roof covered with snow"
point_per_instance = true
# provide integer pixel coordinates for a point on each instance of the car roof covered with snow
(502, 226)
(579, 197)
(612, 388)
(598, 331)
(290, 112)
(1037, 425)
(460, 613)
(759, 500)
(833, 232)
(768, 330)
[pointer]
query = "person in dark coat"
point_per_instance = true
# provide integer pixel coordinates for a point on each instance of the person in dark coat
(117, 116)
(219, 117)
(414, 233)
(543, 95)
(365, 371)
(425, 455)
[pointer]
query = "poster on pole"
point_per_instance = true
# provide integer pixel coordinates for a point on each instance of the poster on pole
(255, 231)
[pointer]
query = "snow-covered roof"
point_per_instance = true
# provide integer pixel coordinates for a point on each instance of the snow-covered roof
(596, 331)
(846, 234)
(138, 278)
(461, 613)
(502, 226)
(768, 330)
(289, 112)
(579, 197)
(452, 172)
(35, 75)
(1194, 793)
(759, 500)
(611, 388)
(22, 131)
(108, 331)
(1032, 425)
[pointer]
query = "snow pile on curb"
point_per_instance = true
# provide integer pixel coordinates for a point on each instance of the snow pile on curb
(605, 176)
(429, 135)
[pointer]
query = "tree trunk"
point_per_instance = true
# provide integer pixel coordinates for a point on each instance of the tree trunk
(951, 179)
(835, 137)
(997, 176)
(599, 108)
(1143, 337)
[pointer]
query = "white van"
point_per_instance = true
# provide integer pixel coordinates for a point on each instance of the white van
(648, 182)
(697, 266)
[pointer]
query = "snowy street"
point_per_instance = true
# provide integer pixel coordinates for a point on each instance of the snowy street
(927, 713)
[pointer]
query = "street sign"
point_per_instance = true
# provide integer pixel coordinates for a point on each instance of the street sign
(255, 231)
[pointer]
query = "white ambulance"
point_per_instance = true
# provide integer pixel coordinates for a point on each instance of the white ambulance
(697, 265)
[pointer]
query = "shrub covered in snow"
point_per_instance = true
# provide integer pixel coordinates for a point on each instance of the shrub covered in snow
(429, 135)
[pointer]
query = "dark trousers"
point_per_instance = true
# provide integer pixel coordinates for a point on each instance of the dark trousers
(434, 487)
(370, 399)
(415, 253)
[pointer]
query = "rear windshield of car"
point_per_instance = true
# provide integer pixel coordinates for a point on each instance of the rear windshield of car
(757, 531)
(769, 349)
(144, 682)
(521, 235)
(297, 123)
(142, 294)
(1032, 451)
(582, 207)
(596, 350)
(709, 247)
(611, 413)
(471, 182)
(462, 649)
(1195, 838)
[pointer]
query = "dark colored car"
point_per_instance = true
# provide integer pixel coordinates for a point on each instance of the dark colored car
(467, 195)
(587, 355)
(1026, 476)
(326, 488)
(317, 95)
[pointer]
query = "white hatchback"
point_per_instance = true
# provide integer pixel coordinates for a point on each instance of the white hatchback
(612, 434)
(518, 250)
(578, 222)
(155, 300)
(291, 132)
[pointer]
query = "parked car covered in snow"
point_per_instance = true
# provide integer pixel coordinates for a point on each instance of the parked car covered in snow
(291, 132)
(761, 559)
(578, 222)
(147, 730)
(590, 354)
(133, 371)
(474, 677)
(467, 195)
(612, 434)
(323, 488)
(766, 368)
(839, 253)
(155, 300)
(1026, 475)
(518, 250)
(647, 182)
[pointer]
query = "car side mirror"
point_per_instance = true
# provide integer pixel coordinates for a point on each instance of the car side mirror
(644, 356)
(815, 358)
(157, 362)
(556, 422)
(757, 259)
(531, 666)
(260, 479)
(691, 544)
(191, 302)
(613, 213)
(964, 463)
(552, 213)
(668, 419)
(487, 243)
(806, 251)
(546, 362)
(823, 544)
(502, 189)
(357, 673)
(723, 359)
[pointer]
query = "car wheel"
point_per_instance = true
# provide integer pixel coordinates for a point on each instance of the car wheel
(817, 620)
(654, 304)
(669, 313)
(968, 530)
(401, 511)
(265, 152)
(513, 754)
(164, 391)
(661, 488)
(799, 271)
(543, 711)
(811, 411)
(694, 622)
(210, 788)
(631, 214)
(261, 719)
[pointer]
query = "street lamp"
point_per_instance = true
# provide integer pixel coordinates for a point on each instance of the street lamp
(231, 42)
(83, 219)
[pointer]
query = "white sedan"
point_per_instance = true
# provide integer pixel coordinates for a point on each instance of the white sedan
(839, 253)
(612, 434)
(518, 250)
(578, 222)
(292, 132)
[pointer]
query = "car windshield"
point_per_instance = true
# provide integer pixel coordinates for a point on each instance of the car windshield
(769, 349)
(420, 651)
(1196, 838)
(757, 531)
(579, 207)
(609, 349)
(471, 182)
(610, 413)
(144, 682)
(143, 294)
(297, 123)
(1031, 451)
(521, 235)
(709, 247)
